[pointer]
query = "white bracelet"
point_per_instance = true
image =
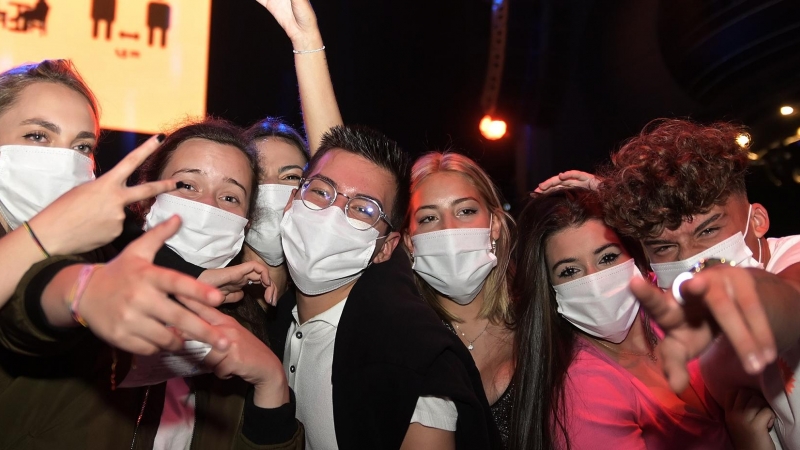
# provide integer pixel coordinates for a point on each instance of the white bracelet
(303, 52)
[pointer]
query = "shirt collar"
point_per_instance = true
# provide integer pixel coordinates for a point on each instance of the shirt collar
(331, 316)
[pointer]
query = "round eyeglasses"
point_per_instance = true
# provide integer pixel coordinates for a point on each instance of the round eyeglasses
(362, 213)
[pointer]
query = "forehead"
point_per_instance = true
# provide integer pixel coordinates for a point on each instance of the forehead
(579, 241)
(355, 174)
(275, 151)
(55, 103)
(215, 159)
(443, 187)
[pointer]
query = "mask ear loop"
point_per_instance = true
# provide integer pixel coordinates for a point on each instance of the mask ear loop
(747, 228)
(494, 241)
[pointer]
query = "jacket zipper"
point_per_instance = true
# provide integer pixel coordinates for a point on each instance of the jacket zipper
(141, 414)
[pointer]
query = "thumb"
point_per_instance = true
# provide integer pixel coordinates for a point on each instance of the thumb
(151, 241)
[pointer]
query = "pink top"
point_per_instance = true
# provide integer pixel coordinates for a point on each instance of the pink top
(609, 408)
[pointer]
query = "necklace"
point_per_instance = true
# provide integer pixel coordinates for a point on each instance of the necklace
(470, 346)
(649, 354)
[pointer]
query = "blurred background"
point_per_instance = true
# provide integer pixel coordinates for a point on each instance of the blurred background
(572, 79)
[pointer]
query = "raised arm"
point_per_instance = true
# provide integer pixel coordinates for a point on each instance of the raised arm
(317, 98)
(85, 218)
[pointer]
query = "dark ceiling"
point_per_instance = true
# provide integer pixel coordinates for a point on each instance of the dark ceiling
(580, 77)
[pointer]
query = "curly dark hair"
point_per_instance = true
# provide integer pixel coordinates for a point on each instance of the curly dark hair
(675, 169)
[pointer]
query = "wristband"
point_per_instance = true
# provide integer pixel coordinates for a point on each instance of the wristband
(303, 52)
(35, 239)
(78, 289)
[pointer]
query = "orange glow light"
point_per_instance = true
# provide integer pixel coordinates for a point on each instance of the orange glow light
(492, 129)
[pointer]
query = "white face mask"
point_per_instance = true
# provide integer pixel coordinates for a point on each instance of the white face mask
(732, 249)
(601, 304)
(323, 251)
(455, 262)
(32, 177)
(209, 237)
(264, 237)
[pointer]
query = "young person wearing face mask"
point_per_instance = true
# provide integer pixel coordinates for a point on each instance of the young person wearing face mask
(363, 352)
(679, 187)
(460, 243)
(218, 174)
(48, 131)
(282, 156)
(587, 374)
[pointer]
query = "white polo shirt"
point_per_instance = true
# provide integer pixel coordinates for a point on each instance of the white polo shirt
(308, 362)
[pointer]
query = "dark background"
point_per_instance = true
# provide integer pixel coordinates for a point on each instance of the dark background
(580, 77)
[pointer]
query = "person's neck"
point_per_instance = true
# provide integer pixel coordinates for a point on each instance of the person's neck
(468, 313)
(636, 341)
(248, 254)
(309, 306)
(765, 253)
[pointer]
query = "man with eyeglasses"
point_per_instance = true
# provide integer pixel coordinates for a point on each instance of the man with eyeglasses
(369, 361)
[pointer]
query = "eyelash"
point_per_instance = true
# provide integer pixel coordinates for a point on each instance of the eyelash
(426, 219)
(708, 231)
(568, 272)
(39, 137)
(609, 258)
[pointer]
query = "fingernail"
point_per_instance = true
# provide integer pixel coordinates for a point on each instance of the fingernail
(771, 423)
(754, 363)
(180, 185)
(160, 138)
(769, 355)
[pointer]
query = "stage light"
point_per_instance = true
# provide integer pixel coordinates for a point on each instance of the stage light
(492, 129)
(787, 110)
(743, 140)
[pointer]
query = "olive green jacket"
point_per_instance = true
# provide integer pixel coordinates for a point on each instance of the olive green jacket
(55, 388)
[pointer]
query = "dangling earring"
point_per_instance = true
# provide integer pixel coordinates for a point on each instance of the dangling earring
(411, 255)
(494, 245)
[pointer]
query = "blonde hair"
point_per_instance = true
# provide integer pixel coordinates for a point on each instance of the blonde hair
(59, 71)
(497, 297)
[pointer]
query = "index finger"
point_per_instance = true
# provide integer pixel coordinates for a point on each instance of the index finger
(134, 159)
(148, 190)
(662, 308)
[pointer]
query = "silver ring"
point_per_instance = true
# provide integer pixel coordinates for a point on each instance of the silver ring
(676, 285)
(249, 282)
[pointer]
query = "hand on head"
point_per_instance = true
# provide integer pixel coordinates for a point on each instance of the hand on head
(127, 303)
(92, 214)
(570, 178)
(720, 298)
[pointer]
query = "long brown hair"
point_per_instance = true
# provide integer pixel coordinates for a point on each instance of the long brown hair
(545, 342)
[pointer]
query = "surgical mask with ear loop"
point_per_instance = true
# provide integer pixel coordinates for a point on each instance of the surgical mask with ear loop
(209, 237)
(264, 236)
(456, 261)
(733, 249)
(601, 304)
(32, 177)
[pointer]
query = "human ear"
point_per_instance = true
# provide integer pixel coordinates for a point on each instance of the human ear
(289, 202)
(389, 244)
(408, 242)
(760, 220)
(496, 225)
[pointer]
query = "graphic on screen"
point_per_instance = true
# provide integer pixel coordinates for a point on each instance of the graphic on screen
(147, 61)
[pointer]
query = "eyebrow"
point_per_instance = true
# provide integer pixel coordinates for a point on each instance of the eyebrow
(43, 123)
(290, 167)
(357, 194)
(453, 203)
(706, 223)
(233, 181)
(605, 247)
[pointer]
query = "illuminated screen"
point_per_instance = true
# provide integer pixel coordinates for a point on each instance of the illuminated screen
(147, 61)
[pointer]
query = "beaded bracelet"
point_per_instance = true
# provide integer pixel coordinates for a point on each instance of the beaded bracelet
(303, 52)
(35, 239)
(78, 289)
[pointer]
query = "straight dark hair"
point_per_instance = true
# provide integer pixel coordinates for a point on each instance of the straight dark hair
(379, 150)
(545, 342)
(273, 127)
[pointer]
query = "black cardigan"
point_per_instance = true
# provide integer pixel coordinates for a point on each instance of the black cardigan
(391, 348)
